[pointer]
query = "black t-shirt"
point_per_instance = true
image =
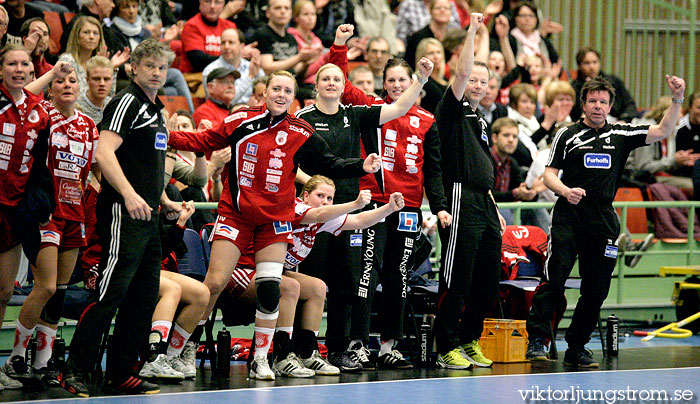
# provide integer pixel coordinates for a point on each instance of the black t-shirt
(465, 148)
(269, 42)
(687, 138)
(344, 131)
(14, 26)
(594, 159)
(142, 153)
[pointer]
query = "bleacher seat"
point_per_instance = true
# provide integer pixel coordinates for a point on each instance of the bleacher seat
(636, 217)
(174, 102)
(56, 22)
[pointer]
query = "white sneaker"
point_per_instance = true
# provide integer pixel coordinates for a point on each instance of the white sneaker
(179, 364)
(160, 369)
(6, 382)
(260, 369)
(291, 366)
(189, 354)
(319, 365)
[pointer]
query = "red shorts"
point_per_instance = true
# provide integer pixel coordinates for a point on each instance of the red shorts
(245, 235)
(66, 234)
(240, 279)
(9, 239)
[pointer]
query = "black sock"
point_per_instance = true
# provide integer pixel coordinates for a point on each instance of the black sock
(282, 345)
(305, 343)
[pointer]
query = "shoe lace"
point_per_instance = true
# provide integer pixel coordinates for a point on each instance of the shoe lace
(362, 354)
(396, 354)
(475, 346)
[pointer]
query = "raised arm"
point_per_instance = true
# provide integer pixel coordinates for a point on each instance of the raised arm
(466, 58)
(338, 56)
(409, 97)
(323, 214)
(372, 217)
(60, 71)
(668, 122)
(208, 140)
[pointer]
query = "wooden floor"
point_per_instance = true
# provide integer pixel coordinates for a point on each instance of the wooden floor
(666, 365)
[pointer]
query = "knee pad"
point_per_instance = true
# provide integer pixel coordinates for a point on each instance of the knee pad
(267, 282)
(51, 313)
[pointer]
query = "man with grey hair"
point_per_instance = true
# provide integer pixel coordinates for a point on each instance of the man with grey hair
(232, 48)
(131, 155)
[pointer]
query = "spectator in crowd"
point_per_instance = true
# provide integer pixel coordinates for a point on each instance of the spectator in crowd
(415, 14)
(19, 12)
(588, 62)
(523, 102)
(332, 14)
(502, 61)
(645, 163)
(378, 54)
(465, 8)
(201, 36)
(526, 37)
(688, 137)
(4, 22)
(362, 78)
(221, 87)
(85, 41)
(232, 46)
(304, 14)
(35, 36)
(440, 16)
(98, 9)
(454, 41)
(374, 18)
(126, 32)
(258, 96)
(509, 185)
(488, 106)
(278, 48)
(432, 49)
(99, 78)
(156, 15)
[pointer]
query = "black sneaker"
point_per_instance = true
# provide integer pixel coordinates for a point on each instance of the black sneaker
(74, 382)
(16, 368)
(131, 385)
(536, 350)
(393, 360)
(361, 355)
(344, 362)
(580, 358)
(48, 376)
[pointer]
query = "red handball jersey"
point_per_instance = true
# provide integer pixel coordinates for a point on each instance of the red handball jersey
(266, 149)
(23, 126)
(197, 35)
(516, 240)
(406, 145)
(304, 236)
(72, 145)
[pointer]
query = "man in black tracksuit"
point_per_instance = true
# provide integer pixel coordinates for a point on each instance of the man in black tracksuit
(471, 246)
(592, 155)
(131, 155)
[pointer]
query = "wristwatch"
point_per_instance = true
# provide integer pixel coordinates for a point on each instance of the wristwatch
(677, 100)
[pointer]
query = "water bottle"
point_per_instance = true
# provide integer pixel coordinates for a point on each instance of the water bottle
(425, 343)
(59, 352)
(613, 334)
(223, 351)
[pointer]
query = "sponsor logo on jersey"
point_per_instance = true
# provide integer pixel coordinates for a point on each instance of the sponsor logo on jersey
(390, 135)
(297, 129)
(237, 115)
(275, 163)
(277, 153)
(290, 261)
(415, 140)
(59, 140)
(8, 129)
(282, 227)
(414, 121)
(65, 156)
(281, 137)
(63, 165)
(76, 147)
(273, 172)
(5, 149)
(250, 158)
(274, 179)
(597, 160)
(608, 147)
(252, 149)
(484, 137)
(408, 221)
(389, 143)
(50, 236)
(32, 134)
(356, 240)
(161, 141)
(245, 182)
(412, 169)
(411, 148)
(521, 232)
(225, 230)
(346, 122)
(388, 165)
(65, 174)
(271, 188)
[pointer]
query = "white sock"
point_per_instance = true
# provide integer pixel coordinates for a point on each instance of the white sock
(263, 339)
(22, 337)
(45, 337)
(164, 328)
(354, 344)
(288, 330)
(386, 346)
(177, 341)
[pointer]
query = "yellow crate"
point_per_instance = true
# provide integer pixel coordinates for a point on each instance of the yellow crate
(498, 342)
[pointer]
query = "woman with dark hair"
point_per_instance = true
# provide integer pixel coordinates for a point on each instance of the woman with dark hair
(410, 148)
(526, 37)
